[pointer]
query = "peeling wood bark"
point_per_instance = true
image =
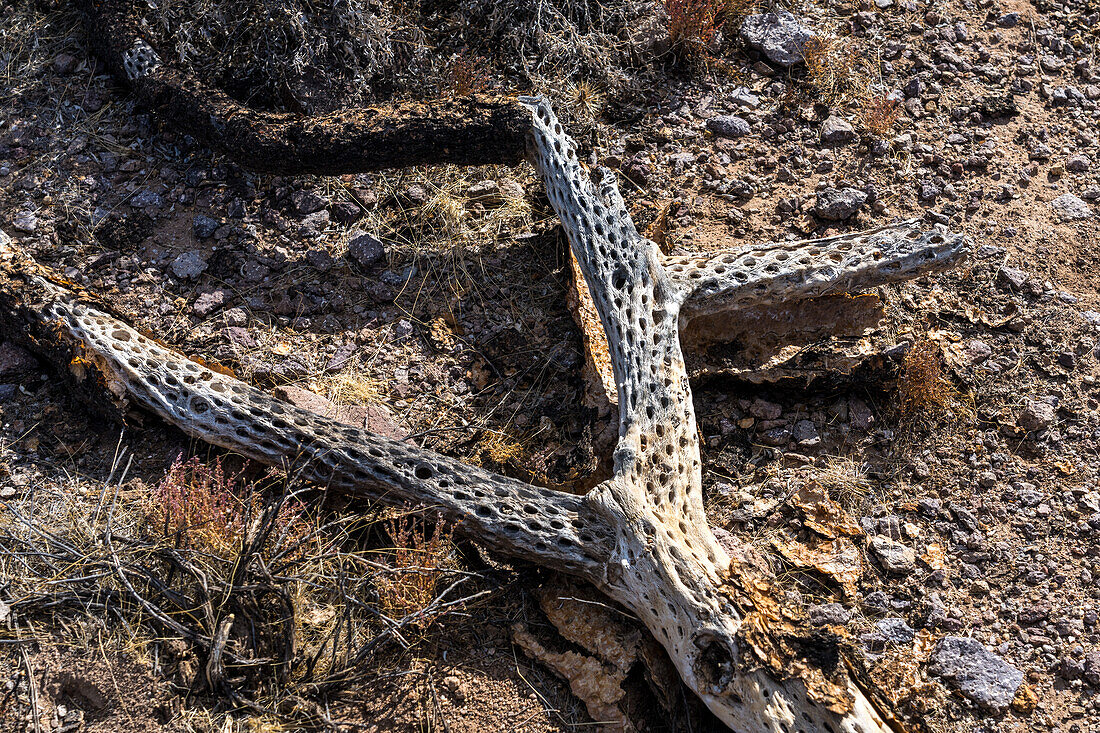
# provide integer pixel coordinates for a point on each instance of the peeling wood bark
(797, 344)
(465, 131)
(21, 321)
(774, 297)
(610, 645)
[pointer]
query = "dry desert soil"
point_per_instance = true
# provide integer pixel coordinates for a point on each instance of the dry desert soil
(959, 434)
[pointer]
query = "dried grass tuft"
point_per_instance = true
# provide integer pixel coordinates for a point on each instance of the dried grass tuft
(353, 385)
(923, 387)
(498, 449)
(219, 567)
(422, 551)
(584, 100)
(844, 479)
(831, 67)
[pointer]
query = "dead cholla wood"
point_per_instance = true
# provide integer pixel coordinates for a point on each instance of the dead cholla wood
(118, 368)
(465, 131)
(774, 274)
(641, 537)
(735, 651)
(775, 297)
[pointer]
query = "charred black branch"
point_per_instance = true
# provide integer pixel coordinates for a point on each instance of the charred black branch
(466, 131)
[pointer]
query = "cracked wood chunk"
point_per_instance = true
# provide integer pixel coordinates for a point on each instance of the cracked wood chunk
(615, 643)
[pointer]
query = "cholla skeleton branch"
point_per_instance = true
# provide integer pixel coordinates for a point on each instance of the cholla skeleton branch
(667, 566)
(642, 536)
(774, 274)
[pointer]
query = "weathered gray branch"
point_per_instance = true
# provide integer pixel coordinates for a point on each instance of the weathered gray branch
(642, 536)
(120, 366)
(781, 272)
(667, 566)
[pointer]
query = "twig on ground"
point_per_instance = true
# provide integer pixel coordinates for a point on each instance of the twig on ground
(32, 690)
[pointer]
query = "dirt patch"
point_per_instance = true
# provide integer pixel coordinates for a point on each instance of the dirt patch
(84, 689)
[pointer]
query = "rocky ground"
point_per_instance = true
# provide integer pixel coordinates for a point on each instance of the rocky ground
(437, 297)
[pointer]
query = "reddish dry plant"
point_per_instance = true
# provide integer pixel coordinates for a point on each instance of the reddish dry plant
(201, 506)
(466, 74)
(692, 24)
(421, 553)
(878, 114)
(923, 386)
(830, 66)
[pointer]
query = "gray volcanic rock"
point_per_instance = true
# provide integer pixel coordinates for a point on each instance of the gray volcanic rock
(730, 126)
(829, 613)
(979, 674)
(203, 226)
(1036, 415)
(189, 265)
(895, 630)
(1070, 208)
(15, 361)
(894, 556)
(836, 131)
(839, 204)
(779, 36)
(365, 248)
(25, 222)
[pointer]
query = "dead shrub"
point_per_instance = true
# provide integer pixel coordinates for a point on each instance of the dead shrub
(212, 563)
(735, 11)
(293, 53)
(878, 114)
(692, 24)
(422, 552)
(466, 74)
(923, 386)
(831, 67)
